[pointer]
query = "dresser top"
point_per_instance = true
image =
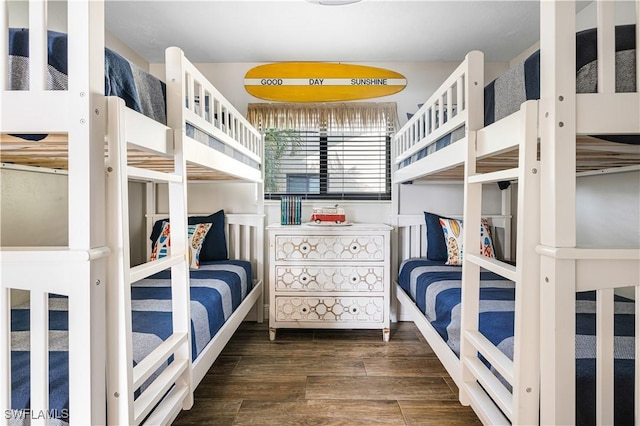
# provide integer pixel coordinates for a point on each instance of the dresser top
(310, 227)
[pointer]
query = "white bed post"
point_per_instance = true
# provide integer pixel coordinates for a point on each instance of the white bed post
(120, 357)
(87, 118)
(180, 283)
(558, 185)
(526, 346)
(473, 103)
(470, 296)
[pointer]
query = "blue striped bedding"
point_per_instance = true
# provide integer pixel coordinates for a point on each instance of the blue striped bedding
(435, 289)
(217, 289)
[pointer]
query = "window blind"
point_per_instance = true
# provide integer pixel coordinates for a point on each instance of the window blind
(339, 155)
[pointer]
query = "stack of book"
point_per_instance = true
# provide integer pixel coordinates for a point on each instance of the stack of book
(290, 210)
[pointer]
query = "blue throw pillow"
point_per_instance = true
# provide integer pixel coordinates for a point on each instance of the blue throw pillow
(214, 246)
(436, 244)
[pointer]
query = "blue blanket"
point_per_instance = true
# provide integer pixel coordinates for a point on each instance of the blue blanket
(505, 94)
(140, 90)
(435, 288)
(217, 289)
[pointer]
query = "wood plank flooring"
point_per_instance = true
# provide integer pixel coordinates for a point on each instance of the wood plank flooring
(327, 377)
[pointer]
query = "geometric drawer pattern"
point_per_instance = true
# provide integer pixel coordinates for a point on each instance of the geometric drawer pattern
(330, 309)
(329, 247)
(329, 278)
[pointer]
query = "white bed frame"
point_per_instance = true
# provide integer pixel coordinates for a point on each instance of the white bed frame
(550, 267)
(410, 244)
(93, 271)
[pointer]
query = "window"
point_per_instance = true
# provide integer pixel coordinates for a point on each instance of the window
(302, 183)
(346, 161)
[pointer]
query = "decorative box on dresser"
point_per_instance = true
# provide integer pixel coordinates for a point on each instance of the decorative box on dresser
(329, 277)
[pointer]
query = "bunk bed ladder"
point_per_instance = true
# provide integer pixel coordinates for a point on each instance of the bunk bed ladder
(167, 392)
(495, 402)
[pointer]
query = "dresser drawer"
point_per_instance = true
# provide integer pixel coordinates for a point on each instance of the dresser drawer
(329, 309)
(328, 277)
(329, 247)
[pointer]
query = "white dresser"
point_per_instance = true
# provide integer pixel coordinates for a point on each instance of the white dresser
(329, 277)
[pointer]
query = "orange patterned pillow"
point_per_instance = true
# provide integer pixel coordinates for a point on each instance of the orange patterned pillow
(196, 235)
(452, 229)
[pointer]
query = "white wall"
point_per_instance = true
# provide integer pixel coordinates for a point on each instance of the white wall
(33, 208)
(56, 15)
(115, 44)
(209, 197)
(423, 78)
(137, 223)
(608, 210)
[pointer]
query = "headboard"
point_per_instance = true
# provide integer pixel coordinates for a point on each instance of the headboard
(411, 235)
(244, 234)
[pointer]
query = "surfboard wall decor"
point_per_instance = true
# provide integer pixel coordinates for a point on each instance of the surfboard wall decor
(321, 82)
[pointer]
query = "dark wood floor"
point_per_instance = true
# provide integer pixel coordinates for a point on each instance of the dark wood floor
(328, 377)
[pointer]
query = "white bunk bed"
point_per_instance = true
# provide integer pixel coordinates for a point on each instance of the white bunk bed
(104, 145)
(542, 146)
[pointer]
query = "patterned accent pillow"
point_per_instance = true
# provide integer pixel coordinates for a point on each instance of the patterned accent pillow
(215, 245)
(452, 229)
(486, 242)
(162, 243)
(196, 235)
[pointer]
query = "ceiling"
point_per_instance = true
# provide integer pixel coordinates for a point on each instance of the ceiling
(298, 30)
